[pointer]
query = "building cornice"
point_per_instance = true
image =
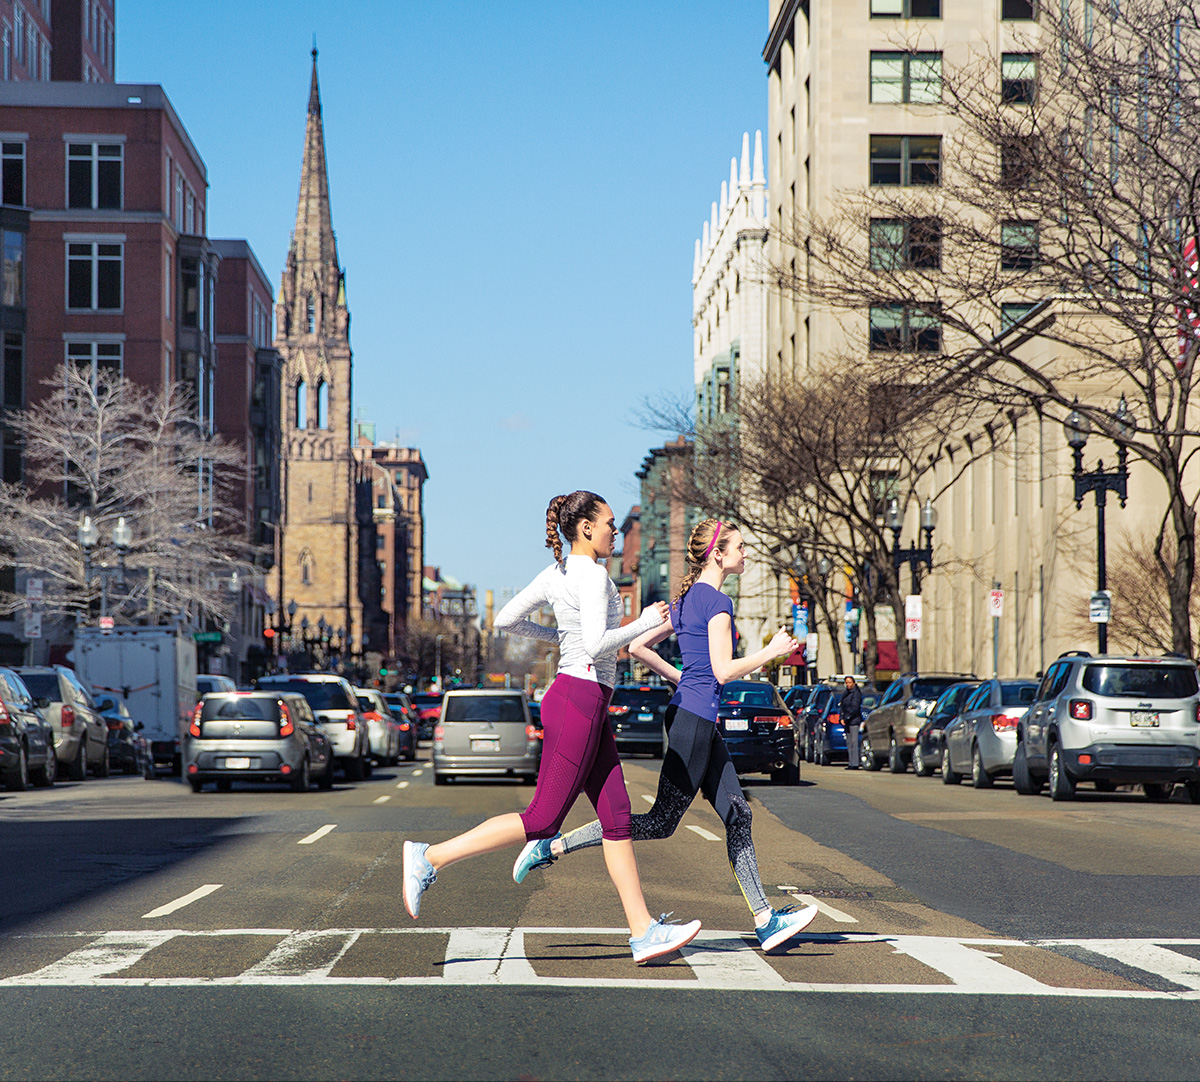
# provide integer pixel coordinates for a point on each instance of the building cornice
(782, 31)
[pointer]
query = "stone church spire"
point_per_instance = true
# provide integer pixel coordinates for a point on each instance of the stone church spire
(313, 241)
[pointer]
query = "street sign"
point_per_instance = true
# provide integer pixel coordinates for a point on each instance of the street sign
(35, 589)
(912, 616)
(996, 604)
(33, 625)
(1100, 607)
(106, 623)
(205, 636)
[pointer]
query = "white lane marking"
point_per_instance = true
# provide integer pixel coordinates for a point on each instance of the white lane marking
(381, 800)
(179, 903)
(707, 835)
(721, 961)
(473, 955)
(402, 785)
(317, 835)
(292, 957)
(1177, 968)
(111, 953)
(970, 969)
(826, 908)
(648, 798)
(417, 773)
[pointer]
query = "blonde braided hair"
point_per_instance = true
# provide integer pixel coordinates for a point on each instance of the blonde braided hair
(700, 547)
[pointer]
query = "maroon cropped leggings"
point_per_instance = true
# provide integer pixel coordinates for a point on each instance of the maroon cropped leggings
(579, 755)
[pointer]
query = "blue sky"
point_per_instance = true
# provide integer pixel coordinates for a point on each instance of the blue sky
(516, 187)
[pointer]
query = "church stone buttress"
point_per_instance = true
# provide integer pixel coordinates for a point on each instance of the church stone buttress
(317, 559)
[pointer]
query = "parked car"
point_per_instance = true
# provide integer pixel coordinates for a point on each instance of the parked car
(128, 750)
(256, 735)
(486, 732)
(796, 698)
(982, 739)
(807, 718)
(406, 717)
(636, 713)
(428, 705)
(927, 751)
(207, 683)
(831, 733)
(890, 730)
(759, 731)
(80, 734)
(26, 738)
(383, 732)
(335, 706)
(1112, 721)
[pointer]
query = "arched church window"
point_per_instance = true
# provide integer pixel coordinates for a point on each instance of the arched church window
(322, 404)
(311, 314)
(306, 568)
(301, 405)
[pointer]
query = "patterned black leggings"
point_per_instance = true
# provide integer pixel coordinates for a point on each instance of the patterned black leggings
(696, 761)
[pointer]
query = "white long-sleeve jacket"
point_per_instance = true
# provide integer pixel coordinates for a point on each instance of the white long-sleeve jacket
(587, 609)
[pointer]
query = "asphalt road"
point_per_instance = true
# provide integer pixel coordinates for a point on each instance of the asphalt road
(149, 933)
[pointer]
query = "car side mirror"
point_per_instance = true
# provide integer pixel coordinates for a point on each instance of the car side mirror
(106, 704)
(41, 703)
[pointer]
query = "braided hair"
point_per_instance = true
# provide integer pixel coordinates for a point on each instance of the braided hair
(699, 547)
(564, 515)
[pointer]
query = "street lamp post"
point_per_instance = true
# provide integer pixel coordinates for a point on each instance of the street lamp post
(88, 536)
(437, 665)
(1101, 482)
(802, 567)
(913, 556)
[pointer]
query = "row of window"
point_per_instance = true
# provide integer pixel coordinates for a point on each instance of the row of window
(99, 31)
(1010, 10)
(24, 44)
(903, 328)
(916, 244)
(916, 161)
(915, 78)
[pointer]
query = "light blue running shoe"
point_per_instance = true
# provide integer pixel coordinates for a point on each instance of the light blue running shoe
(536, 854)
(419, 876)
(662, 937)
(784, 924)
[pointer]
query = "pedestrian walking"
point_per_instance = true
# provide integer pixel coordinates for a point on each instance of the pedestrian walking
(697, 760)
(851, 708)
(579, 753)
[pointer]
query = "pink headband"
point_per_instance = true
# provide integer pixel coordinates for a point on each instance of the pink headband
(711, 544)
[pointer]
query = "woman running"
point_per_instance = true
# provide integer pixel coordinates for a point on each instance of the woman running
(579, 753)
(697, 759)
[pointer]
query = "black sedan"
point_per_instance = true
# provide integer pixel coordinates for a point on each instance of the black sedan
(636, 713)
(927, 752)
(128, 751)
(759, 731)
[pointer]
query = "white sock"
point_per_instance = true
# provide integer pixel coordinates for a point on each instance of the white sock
(762, 918)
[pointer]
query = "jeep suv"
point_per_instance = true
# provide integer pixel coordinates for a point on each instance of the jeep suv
(889, 732)
(1112, 721)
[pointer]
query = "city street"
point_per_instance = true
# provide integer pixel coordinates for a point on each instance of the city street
(151, 933)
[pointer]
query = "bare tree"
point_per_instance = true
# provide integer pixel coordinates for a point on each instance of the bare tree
(111, 449)
(1046, 250)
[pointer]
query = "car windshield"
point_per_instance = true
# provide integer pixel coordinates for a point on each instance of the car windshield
(1017, 694)
(930, 689)
(426, 700)
(750, 694)
(642, 696)
(835, 700)
(495, 708)
(950, 699)
(240, 708)
(1140, 681)
(870, 701)
(320, 694)
(43, 685)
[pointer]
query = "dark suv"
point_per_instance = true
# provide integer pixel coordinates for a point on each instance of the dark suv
(636, 714)
(890, 730)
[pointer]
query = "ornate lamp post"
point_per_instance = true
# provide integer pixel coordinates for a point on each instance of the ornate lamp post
(913, 556)
(88, 536)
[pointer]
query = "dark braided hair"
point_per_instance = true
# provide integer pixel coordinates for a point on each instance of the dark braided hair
(564, 516)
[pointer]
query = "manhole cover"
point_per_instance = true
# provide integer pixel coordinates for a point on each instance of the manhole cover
(819, 892)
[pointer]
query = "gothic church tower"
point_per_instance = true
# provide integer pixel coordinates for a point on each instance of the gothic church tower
(318, 542)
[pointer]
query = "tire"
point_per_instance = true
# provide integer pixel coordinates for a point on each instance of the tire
(149, 773)
(949, 775)
(105, 767)
(368, 767)
(789, 775)
(1061, 785)
(810, 748)
(896, 763)
(45, 776)
(225, 785)
(196, 784)
(980, 778)
(920, 767)
(869, 762)
(440, 779)
(529, 779)
(1158, 791)
(300, 779)
(823, 756)
(353, 769)
(18, 780)
(326, 780)
(1103, 786)
(1193, 790)
(77, 769)
(1023, 781)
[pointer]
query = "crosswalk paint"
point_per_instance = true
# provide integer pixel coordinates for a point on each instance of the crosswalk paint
(179, 903)
(381, 800)
(318, 834)
(1175, 967)
(832, 912)
(402, 785)
(417, 773)
(707, 835)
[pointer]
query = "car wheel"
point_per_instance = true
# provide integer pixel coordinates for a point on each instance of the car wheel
(1193, 790)
(529, 779)
(1158, 791)
(441, 779)
(823, 752)
(869, 762)
(368, 767)
(980, 778)
(104, 768)
(1061, 785)
(1024, 781)
(353, 769)
(300, 778)
(196, 784)
(148, 771)
(45, 775)
(896, 763)
(920, 767)
(77, 771)
(949, 775)
(18, 780)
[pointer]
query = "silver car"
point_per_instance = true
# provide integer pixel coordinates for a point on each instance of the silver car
(486, 733)
(382, 731)
(80, 733)
(333, 702)
(982, 739)
(256, 736)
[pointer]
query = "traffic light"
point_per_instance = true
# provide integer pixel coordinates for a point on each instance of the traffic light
(383, 672)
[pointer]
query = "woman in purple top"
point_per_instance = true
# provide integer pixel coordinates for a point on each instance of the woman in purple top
(697, 760)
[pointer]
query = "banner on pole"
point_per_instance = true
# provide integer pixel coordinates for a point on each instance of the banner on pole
(912, 616)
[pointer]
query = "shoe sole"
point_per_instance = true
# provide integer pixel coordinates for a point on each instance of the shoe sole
(667, 948)
(408, 852)
(519, 875)
(794, 929)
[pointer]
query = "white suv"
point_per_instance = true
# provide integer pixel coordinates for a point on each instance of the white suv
(335, 705)
(1112, 721)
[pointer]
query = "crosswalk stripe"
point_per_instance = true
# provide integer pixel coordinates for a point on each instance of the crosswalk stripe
(830, 911)
(707, 835)
(1175, 967)
(318, 834)
(179, 903)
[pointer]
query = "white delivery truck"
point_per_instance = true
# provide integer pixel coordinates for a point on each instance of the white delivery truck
(151, 669)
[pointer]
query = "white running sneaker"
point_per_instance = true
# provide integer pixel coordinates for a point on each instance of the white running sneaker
(419, 876)
(784, 924)
(662, 937)
(536, 854)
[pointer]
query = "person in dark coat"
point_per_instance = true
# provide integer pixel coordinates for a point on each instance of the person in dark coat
(851, 709)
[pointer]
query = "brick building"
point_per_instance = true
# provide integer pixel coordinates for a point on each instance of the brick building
(61, 40)
(665, 520)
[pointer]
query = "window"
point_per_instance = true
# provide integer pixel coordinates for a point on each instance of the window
(302, 412)
(913, 244)
(1018, 78)
(94, 175)
(1012, 314)
(1018, 9)
(310, 314)
(884, 485)
(1018, 245)
(168, 277)
(322, 404)
(902, 328)
(191, 272)
(178, 218)
(1018, 161)
(7, 45)
(19, 33)
(906, 159)
(906, 9)
(906, 77)
(94, 276)
(14, 370)
(12, 272)
(100, 361)
(12, 174)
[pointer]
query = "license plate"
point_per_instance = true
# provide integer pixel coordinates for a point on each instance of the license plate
(645, 717)
(736, 725)
(1143, 719)
(485, 743)
(237, 764)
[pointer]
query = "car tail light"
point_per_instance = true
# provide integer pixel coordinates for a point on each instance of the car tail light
(1085, 760)
(1003, 723)
(1080, 709)
(193, 768)
(286, 728)
(285, 770)
(439, 733)
(194, 728)
(68, 717)
(1198, 711)
(351, 723)
(372, 715)
(618, 711)
(404, 726)
(834, 719)
(532, 732)
(783, 721)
